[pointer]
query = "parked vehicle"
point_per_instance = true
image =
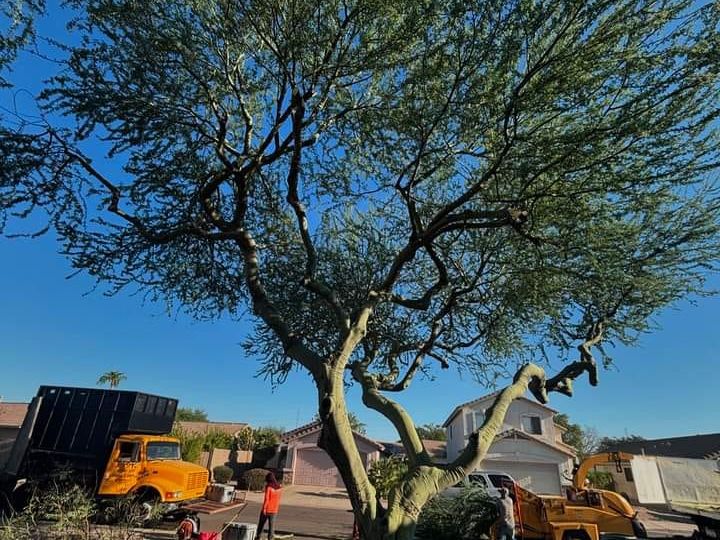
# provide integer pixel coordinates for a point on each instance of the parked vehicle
(687, 486)
(584, 514)
(114, 441)
(491, 481)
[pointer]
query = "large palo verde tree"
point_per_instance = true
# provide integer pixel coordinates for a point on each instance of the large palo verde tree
(389, 187)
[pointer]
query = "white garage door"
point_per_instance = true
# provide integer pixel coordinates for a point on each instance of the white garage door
(537, 477)
(313, 467)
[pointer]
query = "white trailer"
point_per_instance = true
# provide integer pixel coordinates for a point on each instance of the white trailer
(687, 486)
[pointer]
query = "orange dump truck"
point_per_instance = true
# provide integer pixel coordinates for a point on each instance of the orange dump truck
(114, 441)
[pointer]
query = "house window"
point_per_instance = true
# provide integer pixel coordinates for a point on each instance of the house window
(532, 424)
(479, 417)
(629, 475)
(469, 428)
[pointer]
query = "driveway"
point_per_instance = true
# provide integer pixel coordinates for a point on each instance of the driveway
(662, 524)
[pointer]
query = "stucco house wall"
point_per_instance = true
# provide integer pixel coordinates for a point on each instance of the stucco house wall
(529, 445)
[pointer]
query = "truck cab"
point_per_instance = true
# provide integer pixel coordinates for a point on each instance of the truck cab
(151, 467)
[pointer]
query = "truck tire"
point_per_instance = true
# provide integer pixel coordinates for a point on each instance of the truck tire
(149, 499)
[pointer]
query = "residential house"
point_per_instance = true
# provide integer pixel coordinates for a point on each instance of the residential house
(528, 447)
(437, 450)
(11, 418)
(302, 462)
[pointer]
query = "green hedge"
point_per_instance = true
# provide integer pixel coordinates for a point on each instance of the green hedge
(468, 516)
(222, 473)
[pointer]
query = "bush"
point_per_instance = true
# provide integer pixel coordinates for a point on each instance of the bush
(469, 516)
(245, 439)
(218, 439)
(601, 480)
(254, 479)
(222, 473)
(191, 444)
(266, 436)
(386, 473)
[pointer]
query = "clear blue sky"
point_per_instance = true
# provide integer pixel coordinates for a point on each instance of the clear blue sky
(53, 332)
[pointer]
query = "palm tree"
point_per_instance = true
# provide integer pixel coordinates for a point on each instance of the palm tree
(113, 378)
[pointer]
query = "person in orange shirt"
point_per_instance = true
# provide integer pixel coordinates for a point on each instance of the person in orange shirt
(270, 507)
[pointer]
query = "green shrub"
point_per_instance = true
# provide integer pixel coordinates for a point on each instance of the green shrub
(218, 439)
(245, 439)
(222, 473)
(266, 436)
(601, 480)
(191, 444)
(468, 516)
(254, 479)
(386, 473)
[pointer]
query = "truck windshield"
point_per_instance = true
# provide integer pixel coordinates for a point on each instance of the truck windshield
(163, 450)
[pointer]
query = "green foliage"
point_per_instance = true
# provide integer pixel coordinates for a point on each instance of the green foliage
(386, 473)
(578, 184)
(222, 474)
(266, 437)
(479, 184)
(62, 510)
(469, 516)
(245, 439)
(584, 440)
(433, 432)
(112, 378)
(601, 480)
(17, 22)
(191, 444)
(254, 479)
(190, 415)
(610, 444)
(218, 439)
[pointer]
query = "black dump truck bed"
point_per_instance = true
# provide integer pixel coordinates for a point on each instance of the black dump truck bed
(85, 421)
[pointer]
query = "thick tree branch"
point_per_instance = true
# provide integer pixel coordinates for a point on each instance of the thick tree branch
(266, 310)
(393, 411)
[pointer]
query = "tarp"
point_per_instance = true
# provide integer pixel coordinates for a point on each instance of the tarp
(647, 480)
(690, 481)
(680, 481)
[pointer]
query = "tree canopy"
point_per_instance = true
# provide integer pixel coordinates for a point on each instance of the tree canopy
(388, 186)
(433, 432)
(112, 378)
(585, 440)
(190, 414)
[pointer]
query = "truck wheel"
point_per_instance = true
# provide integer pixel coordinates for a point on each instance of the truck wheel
(148, 499)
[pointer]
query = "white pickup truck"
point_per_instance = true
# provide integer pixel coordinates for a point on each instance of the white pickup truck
(492, 481)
